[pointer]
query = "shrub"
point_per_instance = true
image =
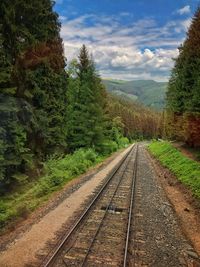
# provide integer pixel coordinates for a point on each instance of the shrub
(58, 170)
(108, 147)
(123, 142)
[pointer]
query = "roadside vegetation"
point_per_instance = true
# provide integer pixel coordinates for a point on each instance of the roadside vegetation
(57, 171)
(186, 170)
(57, 119)
(182, 116)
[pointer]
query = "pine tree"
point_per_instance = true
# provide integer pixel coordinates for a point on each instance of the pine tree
(86, 105)
(32, 83)
(13, 152)
(183, 91)
(175, 93)
(183, 96)
(192, 64)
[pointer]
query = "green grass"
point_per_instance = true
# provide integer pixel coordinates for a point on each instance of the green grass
(57, 172)
(186, 170)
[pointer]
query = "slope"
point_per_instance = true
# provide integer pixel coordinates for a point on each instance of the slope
(148, 92)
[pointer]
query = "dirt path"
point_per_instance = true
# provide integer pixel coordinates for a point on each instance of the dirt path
(25, 249)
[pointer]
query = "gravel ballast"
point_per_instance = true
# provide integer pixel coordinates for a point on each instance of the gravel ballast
(158, 239)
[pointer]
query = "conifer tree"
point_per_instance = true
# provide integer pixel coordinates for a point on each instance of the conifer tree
(183, 91)
(32, 83)
(85, 105)
(183, 96)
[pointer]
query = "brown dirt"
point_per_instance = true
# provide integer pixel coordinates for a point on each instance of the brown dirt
(31, 240)
(185, 205)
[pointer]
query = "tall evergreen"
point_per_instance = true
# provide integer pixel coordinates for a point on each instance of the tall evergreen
(32, 84)
(85, 105)
(184, 87)
(183, 96)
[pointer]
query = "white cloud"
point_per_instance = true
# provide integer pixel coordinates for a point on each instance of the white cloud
(62, 18)
(186, 24)
(148, 54)
(141, 50)
(184, 10)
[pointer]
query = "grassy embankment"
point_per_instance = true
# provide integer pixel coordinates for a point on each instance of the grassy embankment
(186, 170)
(57, 172)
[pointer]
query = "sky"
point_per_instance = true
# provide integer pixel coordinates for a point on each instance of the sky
(128, 39)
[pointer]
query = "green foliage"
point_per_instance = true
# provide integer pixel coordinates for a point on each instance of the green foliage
(73, 164)
(46, 111)
(48, 125)
(123, 142)
(108, 147)
(85, 110)
(58, 171)
(13, 154)
(26, 23)
(133, 120)
(33, 87)
(185, 169)
(183, 94)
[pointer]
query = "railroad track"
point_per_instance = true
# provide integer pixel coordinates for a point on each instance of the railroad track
(101, 236)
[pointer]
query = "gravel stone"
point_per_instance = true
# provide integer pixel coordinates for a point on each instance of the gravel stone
(157, 226)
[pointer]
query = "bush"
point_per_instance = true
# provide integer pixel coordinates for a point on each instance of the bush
(91, 155)
(123, 142)
(108, 147)
(5, 213)
(58, 170)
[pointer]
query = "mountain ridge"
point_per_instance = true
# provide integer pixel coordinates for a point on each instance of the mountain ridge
(148, 92)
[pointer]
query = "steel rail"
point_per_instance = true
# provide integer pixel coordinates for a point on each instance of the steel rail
(50, 259)
(83, 264)
(130, 209)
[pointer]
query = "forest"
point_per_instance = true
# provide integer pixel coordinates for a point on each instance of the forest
(182, 115)
(51, 107)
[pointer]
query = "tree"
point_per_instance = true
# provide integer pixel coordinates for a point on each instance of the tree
(32, 83)
(85, 105)
(136, 121)
(183, 96)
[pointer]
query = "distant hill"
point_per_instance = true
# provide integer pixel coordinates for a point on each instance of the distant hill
(148, 92)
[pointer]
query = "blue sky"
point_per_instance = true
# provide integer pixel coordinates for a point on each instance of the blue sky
(129, 39)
